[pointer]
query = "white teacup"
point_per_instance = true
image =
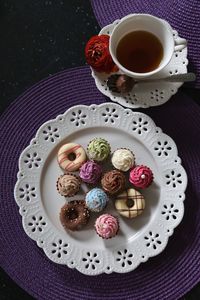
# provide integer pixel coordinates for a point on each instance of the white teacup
(144, 22)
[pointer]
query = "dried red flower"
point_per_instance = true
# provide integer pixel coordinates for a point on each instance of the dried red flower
(97, 54)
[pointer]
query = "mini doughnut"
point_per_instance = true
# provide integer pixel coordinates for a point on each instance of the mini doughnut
(130, 203)
(71, 156)
(74, 215)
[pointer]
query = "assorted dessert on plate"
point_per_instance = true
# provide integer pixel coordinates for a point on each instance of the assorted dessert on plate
(122, 184)
(100, 188)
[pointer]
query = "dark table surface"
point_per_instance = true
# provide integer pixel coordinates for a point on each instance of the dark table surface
(38, 39)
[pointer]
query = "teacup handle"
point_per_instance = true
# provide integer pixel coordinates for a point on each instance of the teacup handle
(180, 44)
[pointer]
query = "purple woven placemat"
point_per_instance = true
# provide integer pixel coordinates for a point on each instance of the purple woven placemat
(183, 15)
(167, 276)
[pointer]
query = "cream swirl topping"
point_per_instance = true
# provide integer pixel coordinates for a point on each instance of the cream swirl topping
(123, 159)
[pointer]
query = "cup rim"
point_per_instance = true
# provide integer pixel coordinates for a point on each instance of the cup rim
(135, 74)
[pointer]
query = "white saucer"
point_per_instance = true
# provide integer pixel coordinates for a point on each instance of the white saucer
(146, 94)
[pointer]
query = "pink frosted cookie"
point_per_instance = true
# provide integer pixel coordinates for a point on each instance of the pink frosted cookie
(141, 176)
(71, 156)
(107, 226)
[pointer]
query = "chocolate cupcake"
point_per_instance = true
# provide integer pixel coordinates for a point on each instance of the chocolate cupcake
(74, 215)
(120, 83)
(68, 185)
(113, 182)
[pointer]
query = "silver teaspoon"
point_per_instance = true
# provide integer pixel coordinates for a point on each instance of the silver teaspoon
(186, 77)
(121, 83)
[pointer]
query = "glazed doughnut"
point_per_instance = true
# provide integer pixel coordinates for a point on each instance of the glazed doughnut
(74, 215)
(130, 203)
(71, 156)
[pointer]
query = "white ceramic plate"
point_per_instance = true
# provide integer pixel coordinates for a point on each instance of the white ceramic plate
(146, 94)
(139, 238)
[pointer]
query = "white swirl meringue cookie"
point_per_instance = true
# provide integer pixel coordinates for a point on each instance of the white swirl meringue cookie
(123, 159)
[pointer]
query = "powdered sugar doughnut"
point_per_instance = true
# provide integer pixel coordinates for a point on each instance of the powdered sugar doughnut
(71, 156)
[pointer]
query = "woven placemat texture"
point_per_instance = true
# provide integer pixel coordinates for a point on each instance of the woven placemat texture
(167, 276)
(183, 15)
